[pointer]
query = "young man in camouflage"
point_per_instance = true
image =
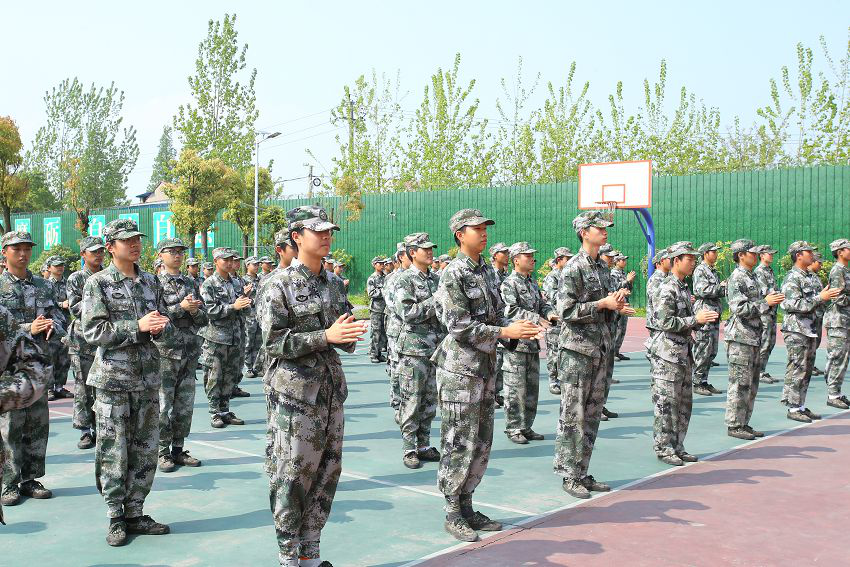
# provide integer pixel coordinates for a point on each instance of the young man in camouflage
(419, 333)
(521, 366)
(550, 293)
(222, 336)
(820, 311)
(837, 323)
(767, 284)
(393, 325)
(24, 371)
(798, 329)
(193, 270)
(31, 301)
(607, 255)
(253, 336)
(267, 266)
(178, 358)
(671, 346)
(473, 315)
(209, 270)
(303, 322)
(499, 259)
(92, 251)
(285, 250)
(61, 360)
(586, 309)
(123, 313)
(743, 336)
(621, 280)
(709, 292)
(377, 305)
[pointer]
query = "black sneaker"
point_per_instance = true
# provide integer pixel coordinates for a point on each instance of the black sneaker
(713, 390)
(608, 413)
(575, 488)
(671, 460)
(740, 433)
(713, 364)
(687, 457)
(217, 421)
(594, 485)
(430, 455)
(479, 521)
(35, 489)
(11, 496)
(845, 400)
(184, 459)
(231, 419)
(147, 526)
(116, 536)
(86, 441)
(603, 417)
(622, 357)
(702, 389)
(64, 393)
(500, 400)
(51, 395)
(460, 529)
(517, 438)
(411, 460)
(555, 390)
(837, 403)
(166, 463)
(767, 379)
(812, 416)
(753, 432)
(817, 371)
(532, 435)
(798, 416)
(240, 393)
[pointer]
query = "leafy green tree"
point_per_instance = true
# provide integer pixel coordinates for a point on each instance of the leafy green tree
(13, 187)
(515, 141)
(39, 197)
(239, 203)
(162, 162)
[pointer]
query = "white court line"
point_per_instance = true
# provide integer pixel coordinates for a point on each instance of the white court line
(603, 496)
(369, 479)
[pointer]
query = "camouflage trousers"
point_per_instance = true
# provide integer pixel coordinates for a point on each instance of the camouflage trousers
(744, 372)
(620, 332)
(500, 378)
(378, 334)
(706, 344)
(838, 352)
(798, 370)
(583, 383)
(609, 371)
(768, 340)
(222, 366)
(521, 371)
(672, 400)
(417, 380)
(176, 400)
(24, 433)
(818, 330)
(83, 395)
(303, 461)
(253, 340)
(552, 354)
(392, 372)
(466, 432)
(61, 364)
(125, 450)
(240, 356)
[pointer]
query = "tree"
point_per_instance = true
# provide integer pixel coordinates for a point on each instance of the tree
(162, 162)
(86, 125)
(198, 193)
(220, 122)
(239, 204)
(13, 188)
(39, 197)
(515, 142)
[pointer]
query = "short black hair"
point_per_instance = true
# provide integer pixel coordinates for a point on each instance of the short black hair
(735, 256)
(794, 257)
(835, 253)
(410, 251)
(580, 239)
(294, 245)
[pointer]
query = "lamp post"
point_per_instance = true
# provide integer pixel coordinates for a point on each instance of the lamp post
(263, 136)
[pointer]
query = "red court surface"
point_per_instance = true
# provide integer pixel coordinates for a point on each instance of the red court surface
(781, 500)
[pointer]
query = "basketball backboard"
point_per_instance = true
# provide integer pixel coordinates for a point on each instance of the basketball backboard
(620, 184)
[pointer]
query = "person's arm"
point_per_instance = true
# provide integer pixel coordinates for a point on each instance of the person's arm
(216, 306)
(739, 301)
(97, 325)
(513, 305)
(836, 280)
(666, 309)
(407, 306)
(458, 317)
(75, 294)
(25, 374)
(795, 301)
(569, 306)
(281, 340)
(704, 287)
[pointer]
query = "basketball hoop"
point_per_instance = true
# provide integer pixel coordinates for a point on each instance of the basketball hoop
(609, 207)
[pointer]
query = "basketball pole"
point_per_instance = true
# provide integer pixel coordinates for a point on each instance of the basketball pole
(648, 229)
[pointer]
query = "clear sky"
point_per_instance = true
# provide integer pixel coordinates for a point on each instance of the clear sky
(305, 52)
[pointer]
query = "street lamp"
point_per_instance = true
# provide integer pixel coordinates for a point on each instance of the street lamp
(257, 141)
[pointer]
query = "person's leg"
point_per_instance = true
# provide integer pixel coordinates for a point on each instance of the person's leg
(428, 401)
(11, 434)
(410, 388)
(838, 349)
(113, 411)
(34, 440)
(576, 372)
(168, 371)
(684, 405)
(532, 390)
(796, 346)
(513, 384)
(738, 393)
(142, 440)
(663, 403)
(184, 402)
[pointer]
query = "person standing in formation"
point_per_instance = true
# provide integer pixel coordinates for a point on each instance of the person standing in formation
(377, 305)
(621, 280)
(499, 259)
(550, 292)
(709, 292)
(820, 310)
(767, 285)
(837, 322)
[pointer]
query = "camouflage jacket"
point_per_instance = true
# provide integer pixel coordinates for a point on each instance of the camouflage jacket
(550, 285)
(74, 339)
(652, 284)
(251, 312)
(224, 325)
(744, 297)
(838, 315)
(375, 291)
(30, 297)
(707, 289)
(820, 310)
(523, 300)
(767, 285)
(340, 284)
(800, 304)
(584, 327)
(501, 276)
(473, 314)
(60, 293)
(619, 280)
(413, 301)
(126, 358)
(297, 307)
(174, 290)
(394, 322)
(264, 281)
(676, 320)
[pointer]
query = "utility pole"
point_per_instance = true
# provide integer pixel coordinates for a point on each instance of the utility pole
(310, 183)
(350, 135)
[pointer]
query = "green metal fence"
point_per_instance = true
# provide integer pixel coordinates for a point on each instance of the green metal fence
(774, 207)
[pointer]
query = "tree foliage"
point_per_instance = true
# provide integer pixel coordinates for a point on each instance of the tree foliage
(239, 202)
(162, 162)
(13, 187)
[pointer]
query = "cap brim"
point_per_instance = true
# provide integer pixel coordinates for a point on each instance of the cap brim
(475, 221)
(128, 234)
(426, 245)
(19, 241)
(320, 225)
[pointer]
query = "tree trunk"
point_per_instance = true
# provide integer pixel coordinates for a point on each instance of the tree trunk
(245, 245)
(7, 219)
(83, 222)
(191, 244)
(205, 245)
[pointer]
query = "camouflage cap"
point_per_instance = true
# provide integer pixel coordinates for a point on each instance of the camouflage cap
(707, 247)
(837, 245)
(281, 238)
(55, 261)
(607, 250)
(765, 249)
(468, 217)
(744, 245)
(377, 260)
(193, 262)
(445, 258)
(801, 246)
(252, 260)
(498, 247)
(157, 263)
(563, 252)
(818, 257)
(170, 243)
(223, 252)
(208, 266)
(310, 216)
(659, 256)
(591, 218)
(681, 249)
(91, 243)
(419, 240)
(266, 260)
(619, 256)
(120, 229)
(16, 237)
(518, 248)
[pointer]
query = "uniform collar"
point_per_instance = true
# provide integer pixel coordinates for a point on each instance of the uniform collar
(307, 273)
(116, 275)
(472, 265)
(15, 278)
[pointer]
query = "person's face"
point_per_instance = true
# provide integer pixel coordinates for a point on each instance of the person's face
(687, 263)
(172, 257)
(267, 267)
(338, 270)
(844, 254)
(595, 236)
(621, 264)
(253, 269)
(815, 266)
(423, 256)
(806, 257)
(18, 255)
(665, 264)
(524, 262)
(56, 271)
(767, 259)
(608, 260)
(747, 259)
(379, 267)
(222, 264)
(193, 270)
(474, 238)
(208, 272)
(314, 243)
(711, 256)
(128, 249)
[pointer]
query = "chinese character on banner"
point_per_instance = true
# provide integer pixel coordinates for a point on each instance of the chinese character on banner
(52, 232)
(96, 224)
(23, 224)
(162, 227)
(133, 217)
(210, 239)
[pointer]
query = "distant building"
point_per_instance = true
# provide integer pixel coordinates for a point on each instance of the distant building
(156, 196)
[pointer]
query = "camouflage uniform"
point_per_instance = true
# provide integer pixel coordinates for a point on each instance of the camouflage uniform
(620, 281)
(767, 284)
(25, 370)
(220, 352)
(672, 393)
(393, 327)
(375, 291)
(613, 321)
(743, 334)
(306, 392)
(253, 336)
(798, 330)
(25, 431)
(652, 284)
(238, 284)
(178, 358)
(521, 366)
(709, 291)
(126, 378)
(61, 358)
(500, 349)
(820, 310)
(551, 283)
(837, 323)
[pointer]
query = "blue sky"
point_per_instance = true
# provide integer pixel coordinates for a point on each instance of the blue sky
(306, 51)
